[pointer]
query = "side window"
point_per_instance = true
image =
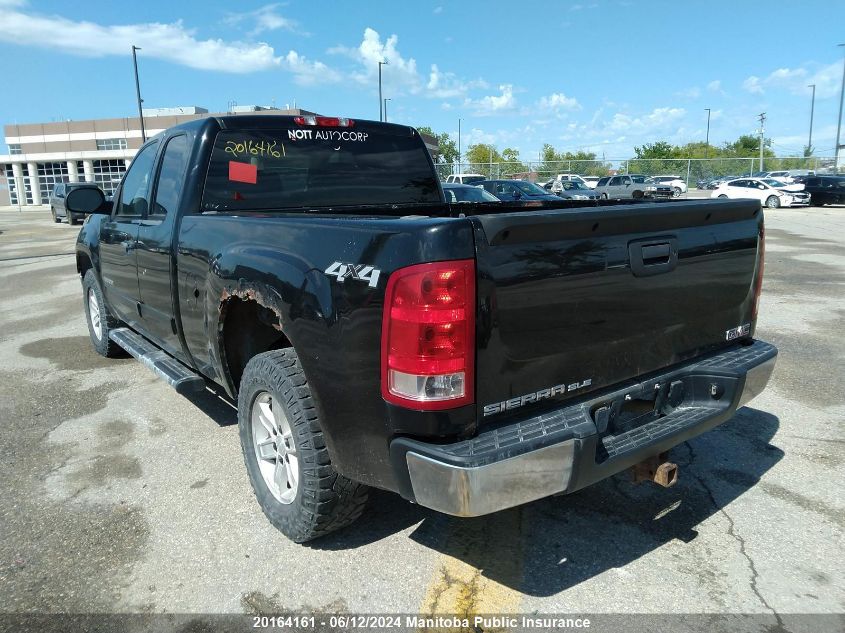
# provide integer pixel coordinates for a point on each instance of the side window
(450, 195)
(626, 180)
(169, 184)
(602, 182)
(58, 190)
(615, 181)
(135, 189)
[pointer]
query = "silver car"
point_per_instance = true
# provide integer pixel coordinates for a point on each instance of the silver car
(631, 186)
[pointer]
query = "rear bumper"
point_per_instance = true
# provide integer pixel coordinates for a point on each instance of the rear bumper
(564, 450)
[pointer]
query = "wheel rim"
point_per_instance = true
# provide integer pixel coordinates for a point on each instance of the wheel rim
(275, 451)
(772, 202)
(676, 192)
(94, 314)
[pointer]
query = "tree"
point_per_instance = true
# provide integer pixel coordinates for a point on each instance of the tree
(447, 151)
(660, 149)
(511, 164)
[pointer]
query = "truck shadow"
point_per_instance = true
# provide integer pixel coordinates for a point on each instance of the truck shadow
(550, 545)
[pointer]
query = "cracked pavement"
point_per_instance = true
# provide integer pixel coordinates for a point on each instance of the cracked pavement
(122, 496)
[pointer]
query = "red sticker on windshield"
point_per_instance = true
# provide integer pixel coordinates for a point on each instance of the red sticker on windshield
(243, 172)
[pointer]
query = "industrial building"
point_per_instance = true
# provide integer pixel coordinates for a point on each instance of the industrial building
(97, 150)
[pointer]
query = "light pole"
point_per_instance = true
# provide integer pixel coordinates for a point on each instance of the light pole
(138, 94)
(707, 140)
(839, 120)
(380, 102)
(762, 116)
(386, 99)
(812, 111)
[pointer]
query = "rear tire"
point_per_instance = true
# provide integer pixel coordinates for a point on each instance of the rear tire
(637, 195)
(56, 218)
(722, 195)
(100, 322)
(72, 220)
(772, 202)
(285, 452)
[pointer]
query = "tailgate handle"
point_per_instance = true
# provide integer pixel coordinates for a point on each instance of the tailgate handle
(654, 256)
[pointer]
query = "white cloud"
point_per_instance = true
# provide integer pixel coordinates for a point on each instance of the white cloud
(169, 42)
(308, 73)
(715, 86)
(689, 93)
(581, 7)
(493, 104)
(401, 74)
(438, 10)
(796, 80)
(659, 119)
(265, 18)
(558, 101)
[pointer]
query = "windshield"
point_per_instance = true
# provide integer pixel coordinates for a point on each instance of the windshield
(304, 167)
(468, 194)
(468, 180)
(572, 184)
(529, 188)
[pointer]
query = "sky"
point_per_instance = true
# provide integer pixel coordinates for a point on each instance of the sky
(595, 75)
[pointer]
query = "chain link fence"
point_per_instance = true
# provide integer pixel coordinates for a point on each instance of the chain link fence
(691, 170)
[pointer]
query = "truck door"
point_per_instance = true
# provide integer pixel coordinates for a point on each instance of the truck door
(156, 263)
(119, 236)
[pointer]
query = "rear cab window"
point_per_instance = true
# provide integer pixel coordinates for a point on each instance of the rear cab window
(301, 166)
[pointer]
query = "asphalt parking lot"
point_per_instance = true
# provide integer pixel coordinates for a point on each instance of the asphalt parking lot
(121, 496)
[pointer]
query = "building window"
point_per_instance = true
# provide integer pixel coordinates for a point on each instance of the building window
(13, 186)
(111, 143)
(48, 175)
(15, 149)
(107, 174)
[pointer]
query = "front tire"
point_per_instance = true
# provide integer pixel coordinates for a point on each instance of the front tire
(721, 195)
(773, 202)
(676, 192)
(100, 322)
(285, 453)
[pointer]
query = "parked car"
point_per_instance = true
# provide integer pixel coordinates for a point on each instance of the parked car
(713, 184)
(825, 189)
(511, 190)
(469, 357)
(465, 179)
(631, 186)
(57, 201)
(557, 185)
(591, 181)
(783, 175)
(763, 189)
(574, 190)
(455, 192)
(677, 183)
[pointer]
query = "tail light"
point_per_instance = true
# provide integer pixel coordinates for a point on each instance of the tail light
(758, 281)
(428, 336)
(323, 121)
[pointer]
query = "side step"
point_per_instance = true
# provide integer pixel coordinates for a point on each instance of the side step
(177, 375)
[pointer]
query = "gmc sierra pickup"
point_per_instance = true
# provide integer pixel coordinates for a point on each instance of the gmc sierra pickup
(469, 356)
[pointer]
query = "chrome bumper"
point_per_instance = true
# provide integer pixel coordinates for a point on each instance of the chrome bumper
(513, 475)
(756, 380)
(474, 491)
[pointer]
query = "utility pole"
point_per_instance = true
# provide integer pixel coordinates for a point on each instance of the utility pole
(380, 102)
(386, 99)
(459, 144)
(762, 117)
(707, 140)
(138, 94)
(839, 120)
(812, 111)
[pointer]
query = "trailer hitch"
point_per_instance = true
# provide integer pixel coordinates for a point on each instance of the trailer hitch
(657, 469)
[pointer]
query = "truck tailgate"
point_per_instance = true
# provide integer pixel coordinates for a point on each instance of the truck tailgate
(572, 300)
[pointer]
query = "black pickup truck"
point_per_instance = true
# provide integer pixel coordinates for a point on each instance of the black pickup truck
(471, 357)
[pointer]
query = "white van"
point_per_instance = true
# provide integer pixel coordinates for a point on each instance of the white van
(466, 179)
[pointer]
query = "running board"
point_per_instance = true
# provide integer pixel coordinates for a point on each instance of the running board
(177, 375)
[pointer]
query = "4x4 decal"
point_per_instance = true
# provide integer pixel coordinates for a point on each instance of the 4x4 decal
(358, 272)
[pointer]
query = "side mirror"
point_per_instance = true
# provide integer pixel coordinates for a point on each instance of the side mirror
(87, 200)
